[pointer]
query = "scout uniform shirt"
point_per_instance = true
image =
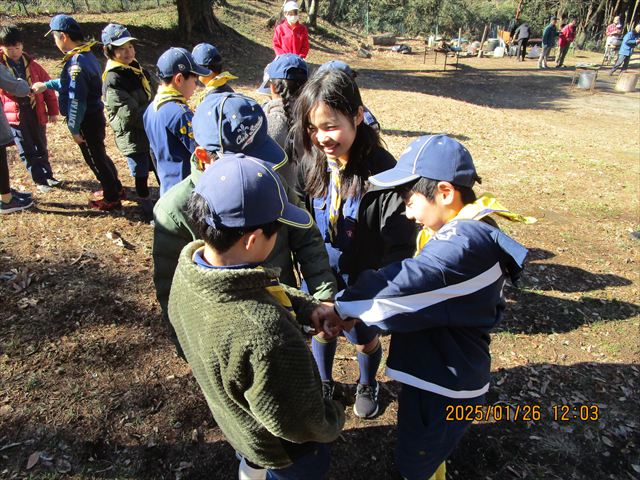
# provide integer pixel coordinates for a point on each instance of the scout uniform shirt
(167, 122)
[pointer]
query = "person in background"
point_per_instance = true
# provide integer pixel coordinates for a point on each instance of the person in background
(28, 116)
(629, 43)
(567, 36)
(290, 36)
(167, 119)
(127, 90)
(79, 98)
(369, 118)
(549, 37)
(207, 56)
(283, 80)
(521, 36)
(10, 199)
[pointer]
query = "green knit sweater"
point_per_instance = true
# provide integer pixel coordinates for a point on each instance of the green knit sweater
(249, 356)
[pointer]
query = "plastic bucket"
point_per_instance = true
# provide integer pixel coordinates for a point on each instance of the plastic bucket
(586, 80)
(491, 44)
(498, 52)
(627, 82)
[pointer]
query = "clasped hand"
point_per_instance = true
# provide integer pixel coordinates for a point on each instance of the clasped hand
(325, 320)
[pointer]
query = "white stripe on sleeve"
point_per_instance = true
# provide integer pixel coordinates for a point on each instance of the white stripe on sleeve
(372, 311)
(408, 379)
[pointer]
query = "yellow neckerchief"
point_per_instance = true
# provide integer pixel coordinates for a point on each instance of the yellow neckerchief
(134, 67)
(275, 289)
(5, 59)
(167, 93)
(335, 199)
(219, 80)
(85, 47)
(483, 206)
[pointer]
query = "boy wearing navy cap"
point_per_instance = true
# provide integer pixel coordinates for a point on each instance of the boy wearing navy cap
(440, 305)
(369, 118)
(232, 123)
(167, 120)
(79, 97)
(127, 90)
(207, 56)
(240, 329)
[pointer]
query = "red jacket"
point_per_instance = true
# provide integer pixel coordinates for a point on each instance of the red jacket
(567, 35)
(46, 103)
(291, 39)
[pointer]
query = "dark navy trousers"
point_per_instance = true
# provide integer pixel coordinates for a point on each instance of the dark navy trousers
(31, 140)
(94, 152)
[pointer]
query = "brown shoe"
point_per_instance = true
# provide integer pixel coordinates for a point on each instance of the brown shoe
(104, 205)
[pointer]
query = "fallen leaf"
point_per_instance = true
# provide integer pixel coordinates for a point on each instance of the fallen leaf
(33, 460)
(606, 441)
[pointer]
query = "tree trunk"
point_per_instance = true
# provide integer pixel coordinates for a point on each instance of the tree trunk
(331, 11)
(196, 16)
(313, 13)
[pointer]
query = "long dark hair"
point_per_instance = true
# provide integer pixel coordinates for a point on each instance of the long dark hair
(338, 91)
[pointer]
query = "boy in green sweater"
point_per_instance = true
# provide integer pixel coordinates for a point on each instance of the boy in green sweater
(239, 327)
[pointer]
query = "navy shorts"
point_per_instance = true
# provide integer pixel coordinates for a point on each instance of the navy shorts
(425, 437)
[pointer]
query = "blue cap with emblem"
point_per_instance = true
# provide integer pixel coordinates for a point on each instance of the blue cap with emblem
(230, 122)
(64, 23)
(338, 65)
(288, 66)
(243, 191)
(437, 157)
(206, 55)
(116, 35)
(178, 60)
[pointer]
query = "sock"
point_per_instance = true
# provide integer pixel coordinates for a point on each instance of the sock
(323, 352)
(142, 189)
(369, 364)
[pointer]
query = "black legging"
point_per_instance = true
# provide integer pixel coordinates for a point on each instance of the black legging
(522, 47)
(4, 171)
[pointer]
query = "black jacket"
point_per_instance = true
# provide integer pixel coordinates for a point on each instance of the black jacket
(381, 234)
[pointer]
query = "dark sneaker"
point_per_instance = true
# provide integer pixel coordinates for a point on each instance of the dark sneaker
(52, 182)
(15, 204)
(328, 387)
(366, 405)
(104, 205)
(99, 195)
(18, 194)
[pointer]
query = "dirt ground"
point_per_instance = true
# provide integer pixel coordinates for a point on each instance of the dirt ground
(90, 387)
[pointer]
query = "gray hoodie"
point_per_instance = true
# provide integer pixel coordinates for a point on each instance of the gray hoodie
(14, 86)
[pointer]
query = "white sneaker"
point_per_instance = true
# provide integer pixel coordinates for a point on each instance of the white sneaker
(245, 472)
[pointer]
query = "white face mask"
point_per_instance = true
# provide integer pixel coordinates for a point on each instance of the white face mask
(292, 19)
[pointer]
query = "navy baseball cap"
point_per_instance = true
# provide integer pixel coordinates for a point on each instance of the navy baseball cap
(116, 34)
(288, 66)
(233, 123)
(338, 65)
(243, 191)
(63, 23)
(437, 157)
(206, 54)
(178, 60)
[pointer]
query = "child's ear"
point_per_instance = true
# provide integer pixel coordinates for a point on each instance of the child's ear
(446, 192)
(178, 79)
(250, 238)
(359, 115)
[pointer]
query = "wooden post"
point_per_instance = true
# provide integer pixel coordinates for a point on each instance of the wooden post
(633, 15)
(459, 36)
(484, 37)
